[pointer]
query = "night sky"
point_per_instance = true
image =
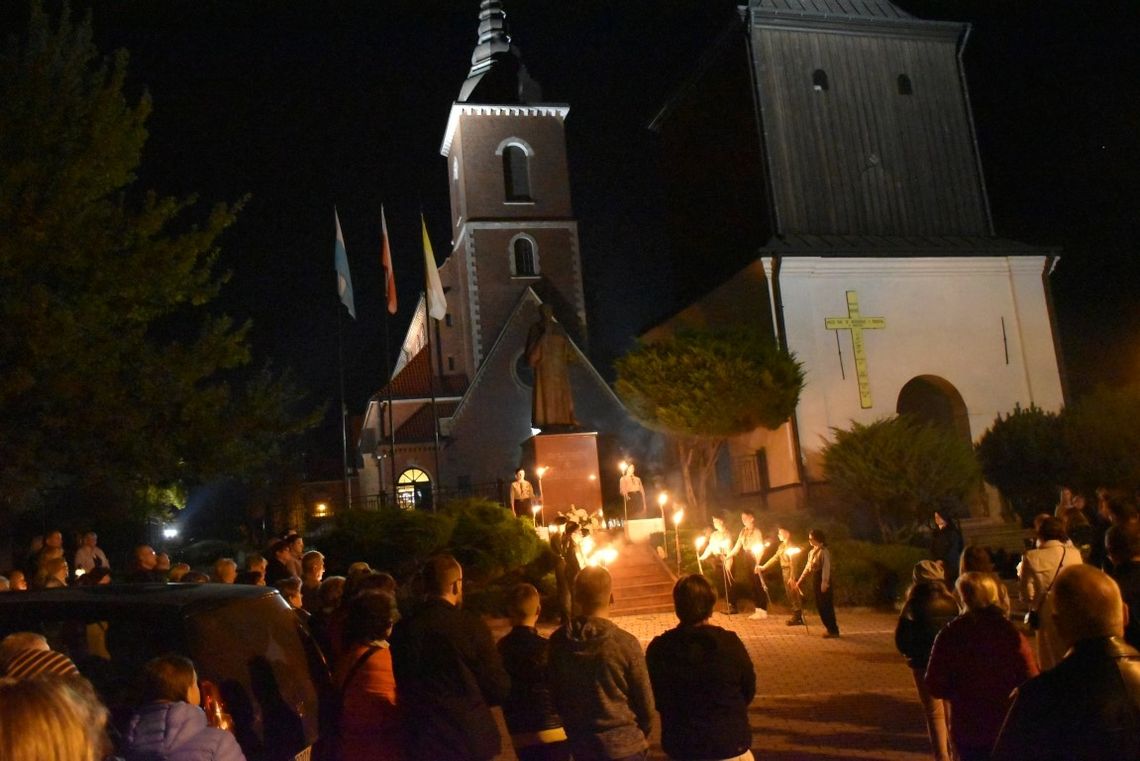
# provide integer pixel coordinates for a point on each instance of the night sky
(303, 105)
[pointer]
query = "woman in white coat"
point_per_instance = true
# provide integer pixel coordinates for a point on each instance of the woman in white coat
(1036, 571)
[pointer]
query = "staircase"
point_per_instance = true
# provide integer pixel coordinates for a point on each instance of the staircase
(642, 582)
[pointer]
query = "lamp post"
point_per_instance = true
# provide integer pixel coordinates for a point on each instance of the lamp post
(677, 517)
(623, 466)
(540, 471)
(662, 498)
(700, 543)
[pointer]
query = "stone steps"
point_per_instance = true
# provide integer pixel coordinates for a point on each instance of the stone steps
(643, 584)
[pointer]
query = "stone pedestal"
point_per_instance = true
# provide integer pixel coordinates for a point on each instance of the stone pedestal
(571, 475)
(639, 531)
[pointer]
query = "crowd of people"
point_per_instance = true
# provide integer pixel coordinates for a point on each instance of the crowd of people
(416, 679)
(1064, 682)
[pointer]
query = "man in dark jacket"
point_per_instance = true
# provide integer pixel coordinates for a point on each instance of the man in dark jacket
(535, 727)
(1122, 544)
(448, 672)
(1087, 706)
(599, 679)
(703, 680)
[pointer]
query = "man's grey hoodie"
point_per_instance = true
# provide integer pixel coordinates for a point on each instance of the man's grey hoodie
(601, 688)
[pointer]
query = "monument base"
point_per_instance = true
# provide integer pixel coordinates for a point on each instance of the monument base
(565, 466)
(638, 531)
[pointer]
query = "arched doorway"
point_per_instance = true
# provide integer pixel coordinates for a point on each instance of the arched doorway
(413, 489)
(935, 400)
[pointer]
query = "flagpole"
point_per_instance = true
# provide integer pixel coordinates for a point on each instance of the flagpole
(343, 407)
(434, 412)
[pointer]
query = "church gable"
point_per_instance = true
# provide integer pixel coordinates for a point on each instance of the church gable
(485, 435)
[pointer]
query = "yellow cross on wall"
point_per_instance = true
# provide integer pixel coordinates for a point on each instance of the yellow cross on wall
(857, 324)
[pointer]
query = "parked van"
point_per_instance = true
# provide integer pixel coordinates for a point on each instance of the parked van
(245, 639)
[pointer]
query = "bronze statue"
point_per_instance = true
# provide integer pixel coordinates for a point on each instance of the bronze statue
(549, 353)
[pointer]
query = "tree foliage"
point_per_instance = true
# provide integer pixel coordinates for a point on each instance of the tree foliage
(115, 382)
(899, 471)
(701, 387)
(1103, 439)
(1025, 457)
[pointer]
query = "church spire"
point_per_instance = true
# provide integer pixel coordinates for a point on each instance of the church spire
(497, 72)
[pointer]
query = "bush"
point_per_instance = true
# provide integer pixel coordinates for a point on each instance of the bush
(867, 574)
(1024, 455)
(899, 471)
(485, 538)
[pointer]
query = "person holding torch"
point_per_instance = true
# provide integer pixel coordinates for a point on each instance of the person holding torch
(717, 548)
(786, 554)
(750, 545)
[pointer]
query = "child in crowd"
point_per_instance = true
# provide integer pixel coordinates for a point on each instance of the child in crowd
(171, 725)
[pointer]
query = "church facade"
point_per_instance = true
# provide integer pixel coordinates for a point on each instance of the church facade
(844, 156)
(514, 249)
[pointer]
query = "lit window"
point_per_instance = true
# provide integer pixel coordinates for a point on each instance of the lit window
(819, 80)
(413, 488)
(905, 87)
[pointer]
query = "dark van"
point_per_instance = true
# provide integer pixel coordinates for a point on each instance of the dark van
(244, 639)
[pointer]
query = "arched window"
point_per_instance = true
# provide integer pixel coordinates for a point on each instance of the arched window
(413, 489)
(524, 263)
(819, 80)
(905, 87)
(516, 173)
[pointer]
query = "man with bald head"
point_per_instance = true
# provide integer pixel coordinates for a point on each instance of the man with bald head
(1088, 706)
(448, 672)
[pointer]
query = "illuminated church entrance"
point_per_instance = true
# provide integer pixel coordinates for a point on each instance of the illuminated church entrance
(413, 490)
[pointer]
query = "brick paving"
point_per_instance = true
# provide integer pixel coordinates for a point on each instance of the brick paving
(836, 699)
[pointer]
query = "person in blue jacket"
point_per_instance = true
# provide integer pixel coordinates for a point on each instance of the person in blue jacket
(171, 725)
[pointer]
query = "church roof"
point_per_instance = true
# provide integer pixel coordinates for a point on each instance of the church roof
(420, 427)
(864, 9)
(497, 74)
(900, 245)
(413, 381)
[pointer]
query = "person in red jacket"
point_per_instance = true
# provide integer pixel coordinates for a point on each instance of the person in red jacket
(976, 663)
(371, 725)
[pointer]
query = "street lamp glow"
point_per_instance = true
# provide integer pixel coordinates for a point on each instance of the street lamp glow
(169, 532)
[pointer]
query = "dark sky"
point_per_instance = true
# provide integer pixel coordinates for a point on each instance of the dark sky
(304, 104)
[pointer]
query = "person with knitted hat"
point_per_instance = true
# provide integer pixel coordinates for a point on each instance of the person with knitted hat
(928, 608)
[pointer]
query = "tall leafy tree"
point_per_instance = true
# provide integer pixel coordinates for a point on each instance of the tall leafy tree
(1024, 455)
(701, 387)
(899, 470)
(115, 382)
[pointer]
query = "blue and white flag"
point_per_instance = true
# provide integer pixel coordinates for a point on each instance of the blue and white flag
(343, 278)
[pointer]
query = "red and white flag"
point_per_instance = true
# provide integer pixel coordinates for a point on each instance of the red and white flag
(386, 261)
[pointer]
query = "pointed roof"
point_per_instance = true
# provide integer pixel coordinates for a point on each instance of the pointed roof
(878, 9)
(497, 74)
(413, 381)
(420, 427)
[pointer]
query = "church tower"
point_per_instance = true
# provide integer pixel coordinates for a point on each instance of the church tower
(513, 227)
(873, 255)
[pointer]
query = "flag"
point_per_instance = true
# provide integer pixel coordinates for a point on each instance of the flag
(436, 301)
(343, 278)
(386, 261)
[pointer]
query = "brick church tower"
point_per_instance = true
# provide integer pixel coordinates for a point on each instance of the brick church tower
(512, 223)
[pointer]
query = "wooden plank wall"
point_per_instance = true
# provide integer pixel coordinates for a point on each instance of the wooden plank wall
(859, 158)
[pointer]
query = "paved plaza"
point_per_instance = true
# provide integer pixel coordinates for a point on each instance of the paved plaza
(836, 699)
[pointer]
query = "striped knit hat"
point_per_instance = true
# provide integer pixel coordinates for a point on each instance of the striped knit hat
(26, 664)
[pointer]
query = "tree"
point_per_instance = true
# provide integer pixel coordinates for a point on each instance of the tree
(701, 387)
(1024, 455)
(1103, 439)
(116, 384)
(899, 470)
